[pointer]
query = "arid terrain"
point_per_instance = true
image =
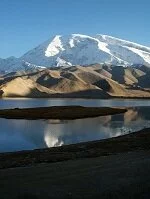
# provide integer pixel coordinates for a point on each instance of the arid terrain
(94, 81)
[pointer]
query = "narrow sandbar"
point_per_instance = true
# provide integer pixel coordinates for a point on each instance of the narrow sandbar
(59, 112)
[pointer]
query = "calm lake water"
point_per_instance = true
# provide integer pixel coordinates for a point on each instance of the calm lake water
(31, 134)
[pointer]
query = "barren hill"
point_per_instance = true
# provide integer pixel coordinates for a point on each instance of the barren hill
(93, 81)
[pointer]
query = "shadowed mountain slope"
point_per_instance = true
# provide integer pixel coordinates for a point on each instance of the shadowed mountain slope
(93, 81)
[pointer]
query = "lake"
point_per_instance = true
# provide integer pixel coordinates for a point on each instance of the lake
(16, 135)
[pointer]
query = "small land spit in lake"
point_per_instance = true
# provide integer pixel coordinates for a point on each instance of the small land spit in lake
(59, 112)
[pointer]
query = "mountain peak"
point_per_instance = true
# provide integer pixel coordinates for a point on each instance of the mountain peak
(80, 49)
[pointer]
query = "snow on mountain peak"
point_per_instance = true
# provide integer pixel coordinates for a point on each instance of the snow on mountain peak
(79, 49)
(117, 41)
(54, 47)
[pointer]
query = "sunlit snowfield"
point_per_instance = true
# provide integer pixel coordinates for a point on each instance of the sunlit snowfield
(30, 134)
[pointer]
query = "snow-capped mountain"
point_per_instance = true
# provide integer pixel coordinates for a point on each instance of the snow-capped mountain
(77, 49)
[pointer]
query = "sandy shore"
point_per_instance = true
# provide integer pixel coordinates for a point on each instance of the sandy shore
(59, 112)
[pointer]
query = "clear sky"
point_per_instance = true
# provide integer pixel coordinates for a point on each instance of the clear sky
(26, 23)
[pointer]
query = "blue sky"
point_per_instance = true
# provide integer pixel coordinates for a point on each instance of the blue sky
(26, 23)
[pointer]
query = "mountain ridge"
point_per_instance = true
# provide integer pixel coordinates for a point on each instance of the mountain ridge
(79, 49)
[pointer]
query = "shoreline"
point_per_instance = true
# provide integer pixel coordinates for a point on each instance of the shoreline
(76, 97)
(136, 141)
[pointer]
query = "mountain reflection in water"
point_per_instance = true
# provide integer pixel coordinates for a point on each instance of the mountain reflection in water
(30, 134)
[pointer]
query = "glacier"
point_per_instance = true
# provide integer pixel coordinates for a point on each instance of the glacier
(79, 49)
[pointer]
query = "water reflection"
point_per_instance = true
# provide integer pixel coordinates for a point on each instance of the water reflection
(31, 134)
(27, 102)
(52, 140)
